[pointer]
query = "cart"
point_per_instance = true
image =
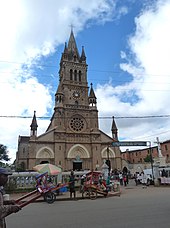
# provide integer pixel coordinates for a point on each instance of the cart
(43, 189)
(93, 185)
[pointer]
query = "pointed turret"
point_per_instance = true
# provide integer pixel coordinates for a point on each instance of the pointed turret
(59, 96)
(72, 48)
(83, 56)
(34, 125)
(92, 97)
(65, 53)
(65, 49)
(114, 130)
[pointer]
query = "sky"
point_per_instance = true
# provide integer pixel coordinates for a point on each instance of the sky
(127, 48)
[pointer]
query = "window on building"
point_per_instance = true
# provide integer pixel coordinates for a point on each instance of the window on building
(75, 75)
(136, 154)
(79, 75)
(166, 147)
(59, 147)
(71, 74)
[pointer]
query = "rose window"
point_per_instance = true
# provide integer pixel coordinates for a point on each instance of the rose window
(77, 124)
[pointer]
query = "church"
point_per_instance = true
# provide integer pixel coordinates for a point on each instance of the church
(73, 139)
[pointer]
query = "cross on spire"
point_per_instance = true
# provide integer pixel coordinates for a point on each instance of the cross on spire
(72, 26)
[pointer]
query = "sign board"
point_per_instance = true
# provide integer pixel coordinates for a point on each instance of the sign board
(129, 143)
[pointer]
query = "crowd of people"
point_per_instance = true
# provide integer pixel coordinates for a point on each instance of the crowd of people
(120, 175)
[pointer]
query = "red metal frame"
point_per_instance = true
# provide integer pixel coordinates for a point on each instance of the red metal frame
(92, 182)
(42, 187)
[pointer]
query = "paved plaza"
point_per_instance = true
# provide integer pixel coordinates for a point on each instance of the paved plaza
(137, 207)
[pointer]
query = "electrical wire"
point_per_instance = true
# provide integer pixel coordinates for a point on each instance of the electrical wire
(100, 117)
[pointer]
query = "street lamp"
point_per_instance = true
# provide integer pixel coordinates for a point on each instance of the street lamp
(151, 157)
(108, 161)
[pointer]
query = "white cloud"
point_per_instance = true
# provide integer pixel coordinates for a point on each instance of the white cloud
(29, 30)
(148, 63)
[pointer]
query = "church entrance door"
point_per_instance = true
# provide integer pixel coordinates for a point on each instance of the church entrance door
(44, 162)
(77, 166)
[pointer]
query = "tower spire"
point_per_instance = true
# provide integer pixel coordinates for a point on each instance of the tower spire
(34, 125)
(83, 56)
(72, 48)
(92, 97)
(114, 130)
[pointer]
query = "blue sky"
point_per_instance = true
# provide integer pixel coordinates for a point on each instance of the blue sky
(127, 48)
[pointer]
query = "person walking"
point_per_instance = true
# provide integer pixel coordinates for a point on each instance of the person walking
(6, 206)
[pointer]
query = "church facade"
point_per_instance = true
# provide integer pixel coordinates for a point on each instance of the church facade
(73, 139)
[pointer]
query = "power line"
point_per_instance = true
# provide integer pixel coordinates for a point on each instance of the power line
(148, 136)
(93, 79)
(90, 70)
(142, 117)
(100, 117)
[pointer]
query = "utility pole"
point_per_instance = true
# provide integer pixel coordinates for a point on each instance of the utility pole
(161, 159)
(151, 157)
(159, 148)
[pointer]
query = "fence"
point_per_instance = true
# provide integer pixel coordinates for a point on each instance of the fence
(26, 180)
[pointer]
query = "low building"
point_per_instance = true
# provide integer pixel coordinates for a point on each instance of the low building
(139, 159)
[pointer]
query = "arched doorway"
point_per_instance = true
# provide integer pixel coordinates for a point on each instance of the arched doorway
(44, 162)
(77, 163)
(108, 155)
(45, 155)
(77, 155)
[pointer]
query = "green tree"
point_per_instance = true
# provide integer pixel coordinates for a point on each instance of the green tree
(4, 153)
(20, 167)
(148, 158)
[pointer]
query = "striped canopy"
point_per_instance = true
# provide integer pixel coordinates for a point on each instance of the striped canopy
(51, 169)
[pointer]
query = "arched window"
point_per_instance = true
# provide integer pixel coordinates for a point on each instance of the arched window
(71, 74)
(79, 75)
(75, 75)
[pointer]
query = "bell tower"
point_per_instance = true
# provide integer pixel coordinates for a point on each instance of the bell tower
(75, 110)
(72, 76)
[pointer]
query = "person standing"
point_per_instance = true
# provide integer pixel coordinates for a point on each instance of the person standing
(144, 179)
(121, 178)
(136, 178)
(6, 206)
(72, 185)
(125, 180)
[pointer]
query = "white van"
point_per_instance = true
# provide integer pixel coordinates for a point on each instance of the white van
(148, 173)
